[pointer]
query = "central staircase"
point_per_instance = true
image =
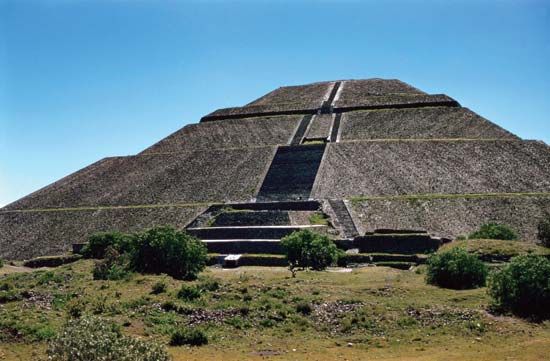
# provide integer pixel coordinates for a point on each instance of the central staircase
(252, 227)
(292, 173)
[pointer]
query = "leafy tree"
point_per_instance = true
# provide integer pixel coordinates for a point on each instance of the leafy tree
(99, 242)
(523, 287)
(307, 250)
(494, 231)
(456, 269)
(166, 250)
(112, 267)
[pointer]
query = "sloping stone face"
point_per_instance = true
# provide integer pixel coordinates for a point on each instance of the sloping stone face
(311, 95)
(29, 234)
(382, 168)
(384, 138)
(451, 217)
(189, 177)
(229, 133)
(420, 123)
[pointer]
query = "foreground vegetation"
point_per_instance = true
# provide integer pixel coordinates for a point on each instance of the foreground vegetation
(255, 313)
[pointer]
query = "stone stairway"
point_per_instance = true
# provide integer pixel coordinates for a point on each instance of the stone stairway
(251, 227)
(292, 173)
(343, 218)
(397, 242)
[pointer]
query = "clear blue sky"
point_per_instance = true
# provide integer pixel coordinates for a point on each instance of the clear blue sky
(82, 80)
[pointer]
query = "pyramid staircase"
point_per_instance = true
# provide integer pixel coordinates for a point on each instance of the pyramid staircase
(292, 173)
(253, 227)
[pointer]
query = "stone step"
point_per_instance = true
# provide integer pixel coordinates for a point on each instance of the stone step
(242, 246)
(292, 173)
(343, 218)
(248, 232)
(409, 243)
(251, 218)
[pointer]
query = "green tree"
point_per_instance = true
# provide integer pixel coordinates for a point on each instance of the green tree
(307, 250)
(166, 250)
(456, 269)
(99, 242)
(523, 287)
(494, 231)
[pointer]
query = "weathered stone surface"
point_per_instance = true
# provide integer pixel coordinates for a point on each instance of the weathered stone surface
(357, 89)
(229, 133)
(310, 95)
(201, 176)
(419, 123)
(252, 218)
(24, 235)
(451, 217)
(426, 167)
(320, 126)
(394, 101)
(292, 173)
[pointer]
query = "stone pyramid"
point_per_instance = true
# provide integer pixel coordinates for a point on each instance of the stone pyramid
(376, 157)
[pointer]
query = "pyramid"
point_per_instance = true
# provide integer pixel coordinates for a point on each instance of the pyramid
(377, 157)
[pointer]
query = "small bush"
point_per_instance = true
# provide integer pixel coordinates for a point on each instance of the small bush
(166, 250)
(112, 267)
(1, 263)
(93, 339)
(75, 308)
(544, 231)
(158, 288)
(494, 231)
(9, 296)
(456, 269)
(189, 293)
(304, 308)
(209, 284)
(523, 287)
(191, 337)
(305, 249)
(99, 242)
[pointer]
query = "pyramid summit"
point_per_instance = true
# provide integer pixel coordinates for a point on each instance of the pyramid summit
(376, 156)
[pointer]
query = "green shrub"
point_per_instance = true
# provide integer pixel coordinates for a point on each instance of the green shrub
(494, 231)
(191, 337)
(209, 284)
(456, 269)
(99, 242)
(189, 293)
(93, 339)
(304, 308)
(1, 263)
(158, 288)
(544, 231)
(9, 296)
(112, 267)
(305, 249)
(75, 307)
(523, 287)
(166, 250)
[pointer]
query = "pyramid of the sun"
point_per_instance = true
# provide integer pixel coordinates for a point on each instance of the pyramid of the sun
(401, 158)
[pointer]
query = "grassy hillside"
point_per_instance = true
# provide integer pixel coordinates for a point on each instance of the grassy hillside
(258, 313)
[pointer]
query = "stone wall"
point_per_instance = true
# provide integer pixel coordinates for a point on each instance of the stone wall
(381, 168)
(24, 235)
(189, 177)
(420, 123)
(229, 133)
(451, 217)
